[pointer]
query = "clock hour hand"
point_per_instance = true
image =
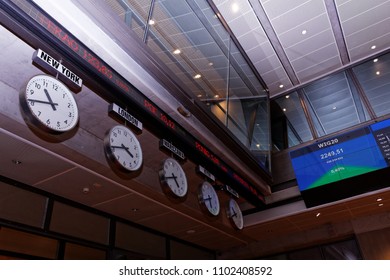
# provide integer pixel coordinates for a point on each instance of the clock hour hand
(53, 105)
(234, 215)
(174, 178)
(123, 147)
(44, 102)
(127, 150)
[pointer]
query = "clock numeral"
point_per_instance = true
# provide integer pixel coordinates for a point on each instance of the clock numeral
(66, 121)
(69, 105)
(70, 114)
(48, 121)
(58, 124)
(32, 91)
(38, 86)
(39, 113)
(45, 83)
(55, 87)
(32, 103)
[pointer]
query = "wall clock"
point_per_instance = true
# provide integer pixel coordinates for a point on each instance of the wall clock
(173, 179)
(234, 214)
(208, 199)
(123, 148)
(49, 105)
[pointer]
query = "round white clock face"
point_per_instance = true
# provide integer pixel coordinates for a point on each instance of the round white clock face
(173, 178)
(49, 104)
(123, 148)
(208, 199)
(234, 214)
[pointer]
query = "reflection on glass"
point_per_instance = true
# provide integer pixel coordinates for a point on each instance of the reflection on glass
(333, 104)
(374, 77)
(133, 12)
(289, 117)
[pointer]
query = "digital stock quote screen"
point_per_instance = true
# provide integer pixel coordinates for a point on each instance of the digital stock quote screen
(344, 165)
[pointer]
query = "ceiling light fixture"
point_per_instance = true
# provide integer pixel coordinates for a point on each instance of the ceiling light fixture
(373, 47)
(378, 72)
(16, 162)
(375, 60)
(281, 86)
(380, 204)
(379, 199)
(197, 76)
(177, 51)
(284, 109)
(287, 96)
(318, 214)
(216, 96)
(235, 8)
(304, 31)
(151, 22)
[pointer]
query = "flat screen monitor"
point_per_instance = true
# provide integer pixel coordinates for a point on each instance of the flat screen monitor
(344, 165)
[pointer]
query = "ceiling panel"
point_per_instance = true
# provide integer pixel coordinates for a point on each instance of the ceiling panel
(83, 186)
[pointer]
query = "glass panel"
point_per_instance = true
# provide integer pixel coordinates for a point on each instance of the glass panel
(333, 104)
(21, 206)
(133, 12)
(78, 252)
(140, 241)
(180, 251)
(374, 77)
(193, 51)
(345, 250)
(79, 223)
(26, 243)
(291, 112)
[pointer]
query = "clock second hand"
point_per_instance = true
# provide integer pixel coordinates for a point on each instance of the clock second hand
(50, 100)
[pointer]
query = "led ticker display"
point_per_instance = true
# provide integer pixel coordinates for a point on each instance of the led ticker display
(362, 151)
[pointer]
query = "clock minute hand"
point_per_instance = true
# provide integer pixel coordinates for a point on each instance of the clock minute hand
(175, 178)
(42, 101)
(53, 105)
(127, 150)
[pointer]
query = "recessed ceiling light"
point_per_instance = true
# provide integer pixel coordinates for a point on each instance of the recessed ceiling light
(304, 31)
(380, 204)
(199, 95)
(373, 47)
(85, 190)
(379, 199)
(197, 76)
(281, 86)
(258, 145)
(375, 60)
(284, 109)
(211, 64)
(378, 72)
(318, 214)
(216, 96)
(235, 8)
(334, 108)
(287, 96)
(16, 162)
(134, 209)
(190, 231)
(151, 22)
(177, 51)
